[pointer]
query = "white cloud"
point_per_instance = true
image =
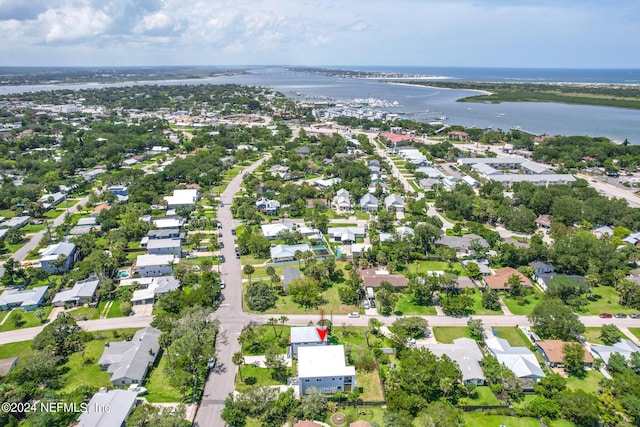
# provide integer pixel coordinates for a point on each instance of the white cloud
(73, 24)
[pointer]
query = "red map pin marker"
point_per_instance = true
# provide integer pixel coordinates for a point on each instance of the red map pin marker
(322, 333)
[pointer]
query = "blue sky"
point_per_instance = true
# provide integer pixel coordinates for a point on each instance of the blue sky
(502, 33)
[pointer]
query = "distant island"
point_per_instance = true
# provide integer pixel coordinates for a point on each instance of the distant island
(606, 95)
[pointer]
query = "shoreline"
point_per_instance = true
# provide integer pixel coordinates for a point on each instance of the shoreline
(479, 91)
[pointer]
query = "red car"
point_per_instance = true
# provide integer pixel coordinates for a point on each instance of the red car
(606, 315)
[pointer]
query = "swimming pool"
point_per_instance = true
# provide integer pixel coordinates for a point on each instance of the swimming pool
(123, 274)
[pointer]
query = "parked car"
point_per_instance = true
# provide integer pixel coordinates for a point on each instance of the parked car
(191, 256)
(354, 314)
(237, 255)
(221, 204)
(221, 259)
(221, 244)
(620, 316)
(222, 285)
(372, 301)
(634, 316)
(606, 315)
(366, 305)
(233, 231)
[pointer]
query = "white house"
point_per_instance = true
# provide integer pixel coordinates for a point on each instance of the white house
(466, 353)
(268, 206)
(623, 347)
(394, 201)
(50, 200)
(186, 197)
(82, 292)
(271, 231)
(520, 360)
(369, 203)
(304, 336)
(155, 265)
(342, 200)
(29, 299)
(324, 368)
(282, 253)
(165, 247)
(119, 402)
(157, 286)
(326, 183)
(168, 223)
(50, 256)
(346, 234)
(15, 222)
(129, 361)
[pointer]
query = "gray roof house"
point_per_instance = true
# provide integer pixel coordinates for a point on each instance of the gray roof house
(83, 291)
(289, 275)
(346, 234)
(466, 353)
(623, 347)
(119, 402)
(50, 200)
(28, 299)
(394, 201)
(50, 255)
(542, 267)
(368, 203)
(342, 200)
(520, 360)
(282, 253)
(157, 286)
(462, 244)
(15, 222)
(129, 361)
(304, 336)
(165, 247)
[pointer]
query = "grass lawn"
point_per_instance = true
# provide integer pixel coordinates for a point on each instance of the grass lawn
(608, 302)
(82, 313)
(446, 334)
(516, 308)
(286, 305)
(20, 349)
(32, 228)
(635, 331)
(53, 214)
(370, 384)
(157, 384)
(589, 383)
(267, 337)
(115, 311)
(476, 295)
(374, 414)
(29, 319)
(484, 396)
(7, 213)
(479, 419)
(405, 305)
(425, 266)
(514, 335)
(83, 368)
(254, 376)
(362, 215)
(250, 259)
(593, 335)
(561, 423)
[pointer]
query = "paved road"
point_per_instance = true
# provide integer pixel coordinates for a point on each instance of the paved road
(35, 239)
(232, 319)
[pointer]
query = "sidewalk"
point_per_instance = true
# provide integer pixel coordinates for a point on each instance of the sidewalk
(504, 307)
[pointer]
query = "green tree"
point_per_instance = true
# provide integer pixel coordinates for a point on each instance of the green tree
(541, 407)
(491, 300)
(610, 334)
(276, 361)
(40, 314)
(580, 407)
(248, 270)
(314, 405)
(17, 318)
(238, 360)
(62, 337)
(260, 296)
(441, 414)
(457, 305)
(306, 293)
(574, 359)
(233, 414)
(410, 327)
(386, 298)
(515, 285)
(476, 329)
(551, 319)
(550, 386)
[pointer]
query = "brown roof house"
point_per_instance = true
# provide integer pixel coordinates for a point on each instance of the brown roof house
(553, 354)
(499, 281)
(373, 278)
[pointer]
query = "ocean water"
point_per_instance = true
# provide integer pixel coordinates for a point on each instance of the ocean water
(427, 103)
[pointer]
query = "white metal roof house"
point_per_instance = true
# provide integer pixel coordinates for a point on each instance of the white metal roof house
(271, 231)
(623, 347)
(185, 197)
(346, 234)
(282, 253)
(466, 353)
(28, 299)
(82, 292)
(369, 203)
(520, 360)
(49, 257)
(157, 286)
(324, 368)
(154, 265)
(304, 336)
(165, 247)
(394, 201)
(15, 222)
(129, 361)
(342, 200)
(119, 402)
(50, 200)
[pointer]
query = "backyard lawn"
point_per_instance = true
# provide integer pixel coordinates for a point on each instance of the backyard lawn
(254, 376)
(480, 419)
(157, 384)
(514, 306)
(369, 381)
(514, 335)
(588, 383)
(446, 334)
(29, 319)
(83, 368)
(373, 414)
(405, 306)
(484, 396)
(476, 295)
(425, 266)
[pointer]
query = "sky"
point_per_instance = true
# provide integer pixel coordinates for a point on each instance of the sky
(482, 33)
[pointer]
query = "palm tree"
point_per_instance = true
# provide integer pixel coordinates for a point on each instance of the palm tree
(298, 255)
(238, 360)
(248, 270)
(272, 322)
(283, 320)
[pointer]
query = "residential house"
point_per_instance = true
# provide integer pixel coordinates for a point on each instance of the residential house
(267, 206)
(373, 187)
(623, 347)
(185, 197)
(545, 279)
(157, 286)
(394, 202)
(271, 231)
(120, 404)
(633, 239)
(129, 361)
(326, 183)
(520, 360)
(463, 245)
(28, 299)
(542, 267)
(544, 221)
(120, 191)
(49, 201)
(58, 258)
(303, 151)
(91, 221)
(168, 222)
(154, 265)
(82, 292)
(552, 351)
(482, 265)
(373, 278)
(98, 209)
(283, 253)
(281, 171)
(360, 248)
(603, 230)
(499, 281)
(369, 203)
(342, 201)
(324, 368)
(456, 135)
(15, 222)
(346, 235)
(289, 275)
(304, 336)
(166, 233)
(165, 247)
(466, 353)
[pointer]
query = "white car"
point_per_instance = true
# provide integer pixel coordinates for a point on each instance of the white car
(366, 304)
(222, 285)
(354, 314)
